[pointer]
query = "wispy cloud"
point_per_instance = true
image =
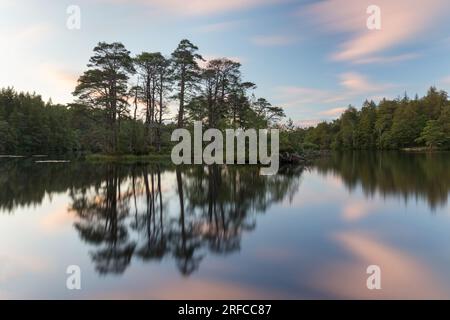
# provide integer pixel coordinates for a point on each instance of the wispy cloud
(334, 112)
(301, 97)
(402, 21)
(352, 84)
(320, 104)
(388, 59)
(198, 7)
(355, 83)
(274, 40)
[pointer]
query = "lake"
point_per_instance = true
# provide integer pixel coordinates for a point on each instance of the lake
(160, 232)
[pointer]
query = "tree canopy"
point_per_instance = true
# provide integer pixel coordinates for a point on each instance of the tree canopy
(390, 124)
(122, 107)
(121, 104)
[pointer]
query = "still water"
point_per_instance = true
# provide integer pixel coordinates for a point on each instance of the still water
(154, 231)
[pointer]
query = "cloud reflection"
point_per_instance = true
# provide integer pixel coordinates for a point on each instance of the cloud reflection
(403, 276)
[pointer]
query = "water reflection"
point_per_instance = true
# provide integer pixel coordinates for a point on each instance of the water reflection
(125, 216)
(24, 183)
(404, 273)
(154, 212)
(397, 174)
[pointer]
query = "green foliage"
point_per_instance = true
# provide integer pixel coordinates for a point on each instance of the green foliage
(105, 85)
(392, 124)
(104, 119)
(432, 135)
(28, 125)
(291, 138)
(309, 146)
(321, 136)
(186, 73)
(365, 138)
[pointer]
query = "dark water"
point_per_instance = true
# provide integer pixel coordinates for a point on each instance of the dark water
(153, 231)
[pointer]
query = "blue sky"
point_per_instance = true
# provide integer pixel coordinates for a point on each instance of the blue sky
(313, 58)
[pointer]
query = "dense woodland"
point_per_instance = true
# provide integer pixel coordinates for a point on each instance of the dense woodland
(390, 124)
(121, 107)
(121, 104)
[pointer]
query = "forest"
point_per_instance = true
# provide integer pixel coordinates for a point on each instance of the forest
(121, 106)
(389, 125)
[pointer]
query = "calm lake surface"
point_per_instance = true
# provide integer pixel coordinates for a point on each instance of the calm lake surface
(153, 231)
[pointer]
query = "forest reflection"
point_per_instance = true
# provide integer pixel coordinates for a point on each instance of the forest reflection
(152, 212)
(396, 174)
(126, 216)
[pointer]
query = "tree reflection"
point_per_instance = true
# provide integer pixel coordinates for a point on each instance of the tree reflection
(125, 216)
(400, 174)
(151, 212)
(150, 223)
(24, 183)
(102, 220)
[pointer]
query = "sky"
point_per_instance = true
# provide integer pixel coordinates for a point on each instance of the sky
(313, 58)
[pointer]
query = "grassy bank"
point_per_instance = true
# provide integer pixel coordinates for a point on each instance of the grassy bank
(128, 158)
(303, 158)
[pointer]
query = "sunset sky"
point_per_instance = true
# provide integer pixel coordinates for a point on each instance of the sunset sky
(311, 57)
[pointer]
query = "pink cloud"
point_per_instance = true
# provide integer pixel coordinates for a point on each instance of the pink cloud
(332, 112)
(198, 7)
(355, 83)
(388, 59)
(402, 21)
(398, 267)
(59, 75)
(61, 79)
(352, 84)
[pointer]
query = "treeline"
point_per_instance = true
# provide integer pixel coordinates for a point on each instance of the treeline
(28, 125)
(121, 107)
(391, 124)
(121, 104)
(214, 94)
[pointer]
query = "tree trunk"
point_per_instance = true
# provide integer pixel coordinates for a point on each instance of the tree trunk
(182, 88)
(161, 80)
